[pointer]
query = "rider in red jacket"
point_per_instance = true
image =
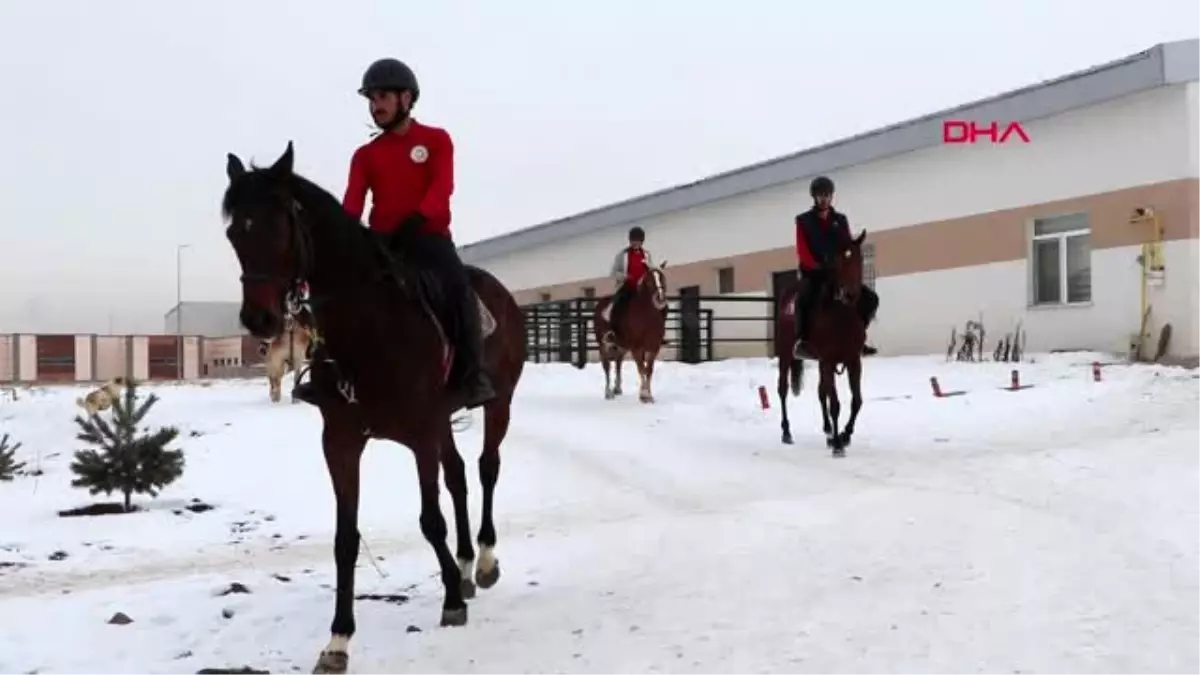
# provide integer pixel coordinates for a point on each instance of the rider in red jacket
(629, 266)
(820, 231)
(409, 170)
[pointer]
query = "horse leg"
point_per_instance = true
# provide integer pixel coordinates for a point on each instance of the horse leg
(829, 386)
(854, 374)
(275, 381)
(647, 369)
(455, 478)
(496, 418)
(609, 392)
(785, 425)
(619, 361)
(343, 444)
(433, 523)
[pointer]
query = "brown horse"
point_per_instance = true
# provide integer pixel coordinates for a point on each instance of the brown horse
(837, 336)
(380, 365)
(287, 351)
(643, 329)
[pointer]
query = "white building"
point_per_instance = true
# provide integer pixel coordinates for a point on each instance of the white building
(1038, 233)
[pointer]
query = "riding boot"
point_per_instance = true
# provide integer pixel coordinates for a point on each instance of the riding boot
(474, 385)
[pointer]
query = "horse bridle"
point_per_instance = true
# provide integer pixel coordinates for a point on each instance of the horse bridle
(296, 298)
(658, 288)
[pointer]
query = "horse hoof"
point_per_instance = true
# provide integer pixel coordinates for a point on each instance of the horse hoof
(617, 392)
(839, 452)
(489, 578)
(608, 396)
(787, 438)
(332, 662)
(454, 617)
(468, 589)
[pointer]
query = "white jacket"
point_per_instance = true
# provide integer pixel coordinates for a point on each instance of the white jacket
(619, 270)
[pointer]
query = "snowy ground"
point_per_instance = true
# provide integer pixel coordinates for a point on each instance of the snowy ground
(1047, 530)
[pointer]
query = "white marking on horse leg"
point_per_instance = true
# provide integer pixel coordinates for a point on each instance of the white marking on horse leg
(487, 559)
(338, 644)
(466, 568)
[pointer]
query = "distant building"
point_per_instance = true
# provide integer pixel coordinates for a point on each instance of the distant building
(1074, 234)
(206, 319)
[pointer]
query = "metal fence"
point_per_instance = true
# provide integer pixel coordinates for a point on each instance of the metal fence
(699, 328)
(59, 358)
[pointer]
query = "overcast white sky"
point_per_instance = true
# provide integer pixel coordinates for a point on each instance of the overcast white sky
(115, 117)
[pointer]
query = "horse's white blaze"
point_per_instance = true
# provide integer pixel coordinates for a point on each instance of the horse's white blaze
(338, 644)
(487, 559)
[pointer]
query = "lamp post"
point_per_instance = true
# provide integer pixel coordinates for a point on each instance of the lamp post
(179, 309)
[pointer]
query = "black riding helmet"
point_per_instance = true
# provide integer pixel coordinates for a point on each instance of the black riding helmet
(821, 185)
(637, 234)
(390, 75)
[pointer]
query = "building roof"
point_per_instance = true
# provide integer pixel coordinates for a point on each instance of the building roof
(1163, 64)
(234, 305)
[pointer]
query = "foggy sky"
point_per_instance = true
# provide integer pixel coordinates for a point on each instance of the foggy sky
(115, 117)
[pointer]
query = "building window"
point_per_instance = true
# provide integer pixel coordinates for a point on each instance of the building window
(589, 291)
(725, 280)
(543, 297)
(868, 255)
(1061, 260)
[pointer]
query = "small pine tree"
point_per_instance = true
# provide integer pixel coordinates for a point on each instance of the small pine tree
(124, 461)
(9, 466)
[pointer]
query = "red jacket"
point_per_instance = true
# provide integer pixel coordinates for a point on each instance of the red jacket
(405, 173)
(635, 266)
(818, 235)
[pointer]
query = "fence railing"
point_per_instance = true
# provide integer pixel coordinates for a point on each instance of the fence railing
(59, 358)
(699, 328)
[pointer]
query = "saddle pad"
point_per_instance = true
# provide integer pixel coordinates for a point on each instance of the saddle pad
(487, 322)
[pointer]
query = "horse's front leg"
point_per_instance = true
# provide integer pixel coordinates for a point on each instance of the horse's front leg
(854, 374)
(427, 449)
(618, 361)
(609, 392)
(455, 476)
(276, 383)
(782, 388)
(647, 368)
(829, 392)
(343, 442)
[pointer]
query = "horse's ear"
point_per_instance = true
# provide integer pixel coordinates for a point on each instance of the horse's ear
(234, 166)
(859, 239)
(283, 165)
(662, 265)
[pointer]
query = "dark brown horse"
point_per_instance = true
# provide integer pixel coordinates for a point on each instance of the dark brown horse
(382, 359)
(643, 329)
(837, 337)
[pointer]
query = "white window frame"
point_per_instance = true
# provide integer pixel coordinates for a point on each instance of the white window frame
(1062, 238)
(869, 272)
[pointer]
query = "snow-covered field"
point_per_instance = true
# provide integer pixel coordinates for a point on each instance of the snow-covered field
(1048, 530)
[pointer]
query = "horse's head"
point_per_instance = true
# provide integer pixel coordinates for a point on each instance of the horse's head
(656, 282)
(271, 245)
(848, 270)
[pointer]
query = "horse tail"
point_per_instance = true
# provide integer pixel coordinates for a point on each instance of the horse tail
(797, 376)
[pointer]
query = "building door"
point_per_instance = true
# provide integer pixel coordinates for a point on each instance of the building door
(689, 324)
(781, 282)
